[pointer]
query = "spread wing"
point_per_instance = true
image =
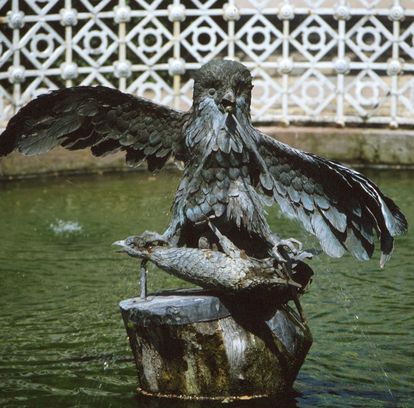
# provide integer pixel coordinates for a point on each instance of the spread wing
(343, 208)
(104, 119)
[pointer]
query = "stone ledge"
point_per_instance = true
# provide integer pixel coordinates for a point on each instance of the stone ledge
(59, 161)
(368, 147)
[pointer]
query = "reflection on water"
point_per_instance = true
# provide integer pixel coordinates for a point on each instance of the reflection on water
(62, 341)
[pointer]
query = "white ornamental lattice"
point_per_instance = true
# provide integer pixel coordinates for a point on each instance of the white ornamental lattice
(313, 61)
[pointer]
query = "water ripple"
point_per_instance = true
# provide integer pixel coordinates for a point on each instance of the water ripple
(63, 342)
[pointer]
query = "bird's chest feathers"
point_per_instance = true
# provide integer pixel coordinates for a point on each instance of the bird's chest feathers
(216, 149)
(209, 134)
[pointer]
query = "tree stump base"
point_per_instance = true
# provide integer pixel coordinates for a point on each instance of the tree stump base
(193, 344)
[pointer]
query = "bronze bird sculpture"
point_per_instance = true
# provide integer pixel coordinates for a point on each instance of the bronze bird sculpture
(231, 169)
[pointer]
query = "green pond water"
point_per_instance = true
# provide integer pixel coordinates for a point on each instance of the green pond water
(62, 340)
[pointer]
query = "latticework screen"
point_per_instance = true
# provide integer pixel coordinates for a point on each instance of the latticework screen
(317, 61)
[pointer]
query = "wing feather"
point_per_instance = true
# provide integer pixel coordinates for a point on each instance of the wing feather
(103, 119)
(342, 207)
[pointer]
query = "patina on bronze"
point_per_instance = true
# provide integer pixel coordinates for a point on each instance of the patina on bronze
(231, 168)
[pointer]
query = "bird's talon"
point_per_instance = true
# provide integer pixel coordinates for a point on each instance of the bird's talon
(292, 244)
(278, 256)
(302, 256)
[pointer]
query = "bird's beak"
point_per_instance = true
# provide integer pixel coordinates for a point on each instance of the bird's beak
(120, 243)
(228, 101)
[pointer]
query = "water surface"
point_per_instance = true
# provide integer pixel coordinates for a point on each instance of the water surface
(62, 341)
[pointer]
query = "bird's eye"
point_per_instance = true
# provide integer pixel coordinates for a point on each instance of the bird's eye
(212, 91)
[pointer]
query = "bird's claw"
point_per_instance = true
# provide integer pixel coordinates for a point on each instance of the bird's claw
(292, 244)
(286, 249)
(302, 256)
(276, 254)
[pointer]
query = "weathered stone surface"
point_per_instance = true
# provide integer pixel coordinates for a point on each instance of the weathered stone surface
(353, 145)
(195, 344)
(59, 161)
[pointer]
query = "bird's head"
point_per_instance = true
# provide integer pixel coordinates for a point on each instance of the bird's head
(227, 83)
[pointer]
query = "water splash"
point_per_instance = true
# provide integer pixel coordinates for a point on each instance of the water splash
(65, 227)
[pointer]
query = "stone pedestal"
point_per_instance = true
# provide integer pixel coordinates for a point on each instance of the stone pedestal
(193, 344)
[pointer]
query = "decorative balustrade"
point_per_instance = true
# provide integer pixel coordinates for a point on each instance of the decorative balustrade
(314, 61)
